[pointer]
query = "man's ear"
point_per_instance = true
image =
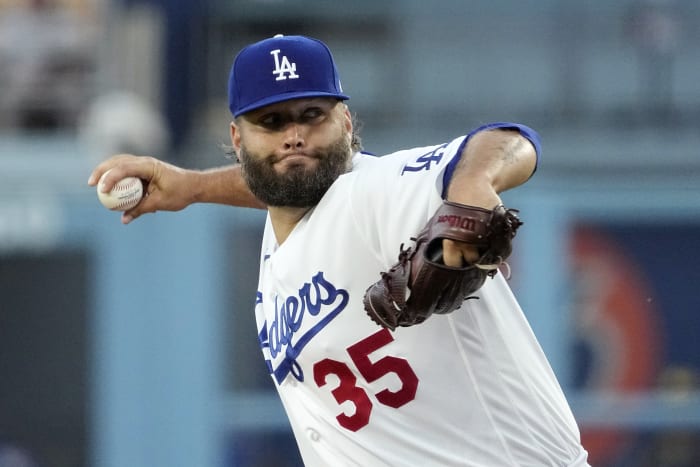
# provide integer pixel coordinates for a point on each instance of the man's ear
(348, 119)
(348, 122)
(235, 137)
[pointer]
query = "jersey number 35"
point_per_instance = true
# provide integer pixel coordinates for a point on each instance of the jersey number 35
(348, 390)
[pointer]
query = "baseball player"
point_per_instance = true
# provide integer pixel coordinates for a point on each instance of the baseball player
(466, 387)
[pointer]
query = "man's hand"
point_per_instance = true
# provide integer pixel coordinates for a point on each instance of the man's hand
(166, 187)
(457, 254)
(479, 194)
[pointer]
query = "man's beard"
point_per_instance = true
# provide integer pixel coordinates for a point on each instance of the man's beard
(298, 186)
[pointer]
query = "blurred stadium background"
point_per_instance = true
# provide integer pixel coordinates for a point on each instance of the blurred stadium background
(135, 346)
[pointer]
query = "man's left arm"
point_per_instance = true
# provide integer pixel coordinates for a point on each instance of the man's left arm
(492, 161)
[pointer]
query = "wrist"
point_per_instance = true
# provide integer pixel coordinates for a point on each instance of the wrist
(195, 181)
(477, 192)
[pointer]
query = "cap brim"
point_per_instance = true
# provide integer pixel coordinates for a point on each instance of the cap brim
(286, 97)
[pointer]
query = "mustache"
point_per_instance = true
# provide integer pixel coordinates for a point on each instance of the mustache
(275, 158)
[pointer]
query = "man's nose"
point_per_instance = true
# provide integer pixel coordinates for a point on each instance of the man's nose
(293, 136)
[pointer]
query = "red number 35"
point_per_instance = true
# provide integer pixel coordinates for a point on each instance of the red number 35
(347, 389)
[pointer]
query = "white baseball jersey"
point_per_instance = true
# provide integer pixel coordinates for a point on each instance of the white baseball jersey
(471, 388)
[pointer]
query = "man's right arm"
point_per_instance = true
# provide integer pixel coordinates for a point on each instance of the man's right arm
(224, 185)
(171, 188)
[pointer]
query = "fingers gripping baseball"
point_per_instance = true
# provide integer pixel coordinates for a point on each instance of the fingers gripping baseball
(162, 183)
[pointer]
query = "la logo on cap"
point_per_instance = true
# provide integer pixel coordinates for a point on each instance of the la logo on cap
(283, 69)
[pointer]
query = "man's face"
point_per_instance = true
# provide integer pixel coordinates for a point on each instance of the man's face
(292, 152)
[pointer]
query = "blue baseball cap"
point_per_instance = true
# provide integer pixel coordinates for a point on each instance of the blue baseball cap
(282, 68)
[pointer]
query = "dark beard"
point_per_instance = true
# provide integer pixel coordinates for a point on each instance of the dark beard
(298, 187)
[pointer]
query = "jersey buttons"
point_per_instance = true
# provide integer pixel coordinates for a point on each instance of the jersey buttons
(312, 434)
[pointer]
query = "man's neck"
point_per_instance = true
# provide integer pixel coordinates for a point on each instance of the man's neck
(284, 219)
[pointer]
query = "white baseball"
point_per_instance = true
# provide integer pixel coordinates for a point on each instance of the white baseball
(123, 196)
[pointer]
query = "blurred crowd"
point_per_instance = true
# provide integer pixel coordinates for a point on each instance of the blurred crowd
(47, 62)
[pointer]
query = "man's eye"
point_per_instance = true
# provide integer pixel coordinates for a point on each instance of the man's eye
(270, 121)
(312, 113)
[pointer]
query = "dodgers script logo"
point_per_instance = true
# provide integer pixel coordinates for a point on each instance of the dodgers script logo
(283, 69)
(319, 301)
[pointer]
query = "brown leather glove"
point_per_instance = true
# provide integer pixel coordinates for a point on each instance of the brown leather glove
(430, 285)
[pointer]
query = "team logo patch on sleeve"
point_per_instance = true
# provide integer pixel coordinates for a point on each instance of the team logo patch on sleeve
(425, 161)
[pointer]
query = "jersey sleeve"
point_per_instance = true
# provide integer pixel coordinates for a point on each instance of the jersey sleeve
(530, 134)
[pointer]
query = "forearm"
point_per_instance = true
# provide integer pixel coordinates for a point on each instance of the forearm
(492, 161)
(224, 185)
